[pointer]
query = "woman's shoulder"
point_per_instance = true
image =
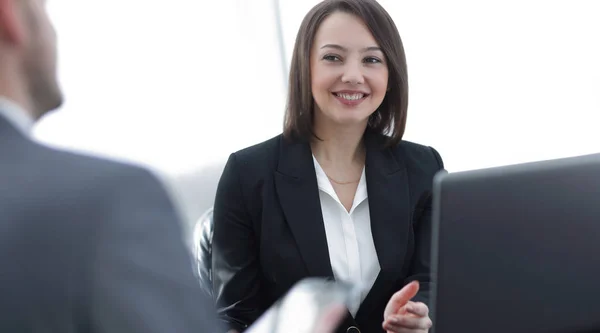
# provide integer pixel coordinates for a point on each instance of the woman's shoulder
(261, 150)
(414, 147)
(408, 151)
(258, 158)
(419, 154)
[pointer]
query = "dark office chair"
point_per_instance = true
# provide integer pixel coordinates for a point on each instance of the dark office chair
(203, 232)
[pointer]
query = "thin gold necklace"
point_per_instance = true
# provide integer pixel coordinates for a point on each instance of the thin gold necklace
(342, 183)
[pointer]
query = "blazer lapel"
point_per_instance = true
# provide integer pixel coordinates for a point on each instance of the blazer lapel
(387, 186)
(298, 192)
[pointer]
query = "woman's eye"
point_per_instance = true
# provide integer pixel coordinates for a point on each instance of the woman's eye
(372, 60)
(331, 58)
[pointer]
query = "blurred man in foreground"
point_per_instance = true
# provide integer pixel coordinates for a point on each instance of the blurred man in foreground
(86, 245)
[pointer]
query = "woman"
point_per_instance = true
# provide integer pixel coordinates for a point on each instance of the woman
(338, 194)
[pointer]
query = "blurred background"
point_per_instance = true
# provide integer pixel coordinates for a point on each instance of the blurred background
(178, 85)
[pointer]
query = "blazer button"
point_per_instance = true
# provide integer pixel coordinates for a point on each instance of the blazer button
(352, 329)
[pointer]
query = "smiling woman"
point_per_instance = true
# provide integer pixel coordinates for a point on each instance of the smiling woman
(339, 194)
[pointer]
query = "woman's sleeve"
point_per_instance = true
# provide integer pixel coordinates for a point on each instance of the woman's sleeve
(420, 269)
(236, 282)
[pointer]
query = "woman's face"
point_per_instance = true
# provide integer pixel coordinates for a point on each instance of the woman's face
(349, 75)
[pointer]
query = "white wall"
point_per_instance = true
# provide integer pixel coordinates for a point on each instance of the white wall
(172, 84)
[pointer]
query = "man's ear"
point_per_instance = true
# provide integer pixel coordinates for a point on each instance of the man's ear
(12, 28)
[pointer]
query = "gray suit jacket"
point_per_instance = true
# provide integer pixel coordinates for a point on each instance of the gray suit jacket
(88, 245)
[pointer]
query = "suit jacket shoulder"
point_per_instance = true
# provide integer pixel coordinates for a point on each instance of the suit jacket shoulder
(418, 155)
(261, 154)
(254, 164)
(105, 238)
(63, 182)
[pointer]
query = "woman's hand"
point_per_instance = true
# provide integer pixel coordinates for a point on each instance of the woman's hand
(401, 315)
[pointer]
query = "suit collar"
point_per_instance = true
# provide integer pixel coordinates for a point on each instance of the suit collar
(297, 188)
(387, 185)
(16, 116)
(389, 205)
(295, 158)
(380, 158)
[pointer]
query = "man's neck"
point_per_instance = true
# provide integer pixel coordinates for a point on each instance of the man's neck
(13, 90)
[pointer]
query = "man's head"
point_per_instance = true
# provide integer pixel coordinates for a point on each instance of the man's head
(28, 56)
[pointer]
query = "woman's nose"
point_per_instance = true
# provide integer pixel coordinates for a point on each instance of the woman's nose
(353, 73)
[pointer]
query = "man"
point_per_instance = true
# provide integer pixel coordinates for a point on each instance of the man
(86, 245)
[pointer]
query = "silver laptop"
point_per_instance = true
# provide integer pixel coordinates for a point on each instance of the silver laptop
(517, 248)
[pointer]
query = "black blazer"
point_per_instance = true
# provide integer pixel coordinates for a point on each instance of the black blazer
(269, 231)
(89, 245)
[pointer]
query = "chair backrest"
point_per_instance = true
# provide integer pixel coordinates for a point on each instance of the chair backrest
(203, 233)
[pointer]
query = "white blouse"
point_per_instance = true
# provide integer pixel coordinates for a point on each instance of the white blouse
(349, 239)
